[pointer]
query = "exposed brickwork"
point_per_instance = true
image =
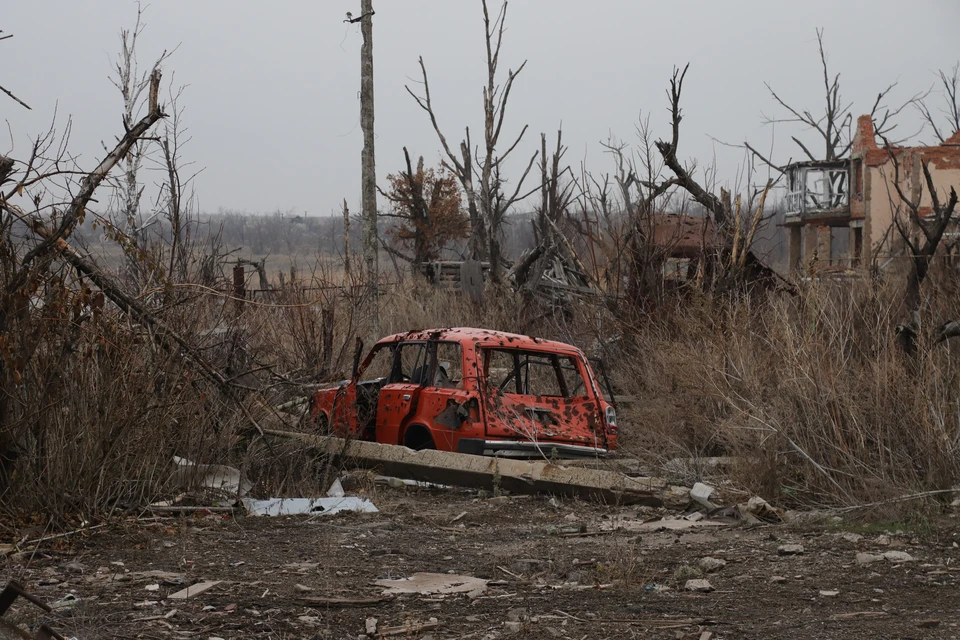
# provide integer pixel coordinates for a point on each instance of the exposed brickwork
(864, 139)
(944, 156)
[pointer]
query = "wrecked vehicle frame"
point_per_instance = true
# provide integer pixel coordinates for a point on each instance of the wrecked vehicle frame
(472, 391)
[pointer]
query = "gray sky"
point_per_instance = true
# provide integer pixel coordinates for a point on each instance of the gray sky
(273, 103)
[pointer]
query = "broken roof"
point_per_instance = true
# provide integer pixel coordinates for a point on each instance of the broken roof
(685, 236)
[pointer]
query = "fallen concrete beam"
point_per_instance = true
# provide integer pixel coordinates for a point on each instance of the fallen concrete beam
(482, 472)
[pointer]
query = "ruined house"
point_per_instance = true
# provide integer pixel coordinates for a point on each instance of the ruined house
(839, 214)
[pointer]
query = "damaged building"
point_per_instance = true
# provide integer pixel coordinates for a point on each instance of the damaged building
(840, 214)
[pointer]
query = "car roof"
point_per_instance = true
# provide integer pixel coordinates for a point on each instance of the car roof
(482, 338)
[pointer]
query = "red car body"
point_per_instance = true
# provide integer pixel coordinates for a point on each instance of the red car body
(473, 391)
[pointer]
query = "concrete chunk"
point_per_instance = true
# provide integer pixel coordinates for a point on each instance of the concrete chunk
(514, 476)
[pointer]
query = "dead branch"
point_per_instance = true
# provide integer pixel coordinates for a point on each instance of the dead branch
(669, 152)
(88, 185)
(950, 108)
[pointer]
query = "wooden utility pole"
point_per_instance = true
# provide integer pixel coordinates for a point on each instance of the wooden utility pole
(369, 180)
(346, 241)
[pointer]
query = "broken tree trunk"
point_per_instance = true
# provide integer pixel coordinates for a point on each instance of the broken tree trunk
(163, 335)
(483, 472)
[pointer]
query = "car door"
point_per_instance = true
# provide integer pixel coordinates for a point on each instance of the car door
(507, 412)
(398, 398)
(541, 396)
(445, 405)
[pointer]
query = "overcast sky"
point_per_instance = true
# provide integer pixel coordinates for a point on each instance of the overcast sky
(273, 96)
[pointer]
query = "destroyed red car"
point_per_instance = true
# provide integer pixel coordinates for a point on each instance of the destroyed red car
(473, 391)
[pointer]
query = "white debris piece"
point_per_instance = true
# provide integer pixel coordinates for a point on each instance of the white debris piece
(211, 476)
(868, 558)
(427, 583)
(710, 565)
(898, 556)
(790, 550)
(665, 524)
(307, 506)
(194, 590)
(701, 493)
(336, 490)
(702, 586)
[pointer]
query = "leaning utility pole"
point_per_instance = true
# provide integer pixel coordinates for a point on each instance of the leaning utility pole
(368, 199)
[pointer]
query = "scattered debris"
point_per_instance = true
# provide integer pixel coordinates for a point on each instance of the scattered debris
(302, 588)
(371, 626)
(432, 583)
(932, 623)
(757, 509)
(676, 497)
(868, 558)
(859, 615)
(898, 556)
(210, 476)
(10, 593)
(336, 490)
(709, 564)
(408, 629)
(194, 590)
(700, 493)
(698, 585)
(663, 524)
(306, 506)
(66, 603)
(777, 579)
(829, 593)
(342, 602)
(790, 550)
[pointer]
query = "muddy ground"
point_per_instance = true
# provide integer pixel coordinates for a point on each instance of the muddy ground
(554, 573)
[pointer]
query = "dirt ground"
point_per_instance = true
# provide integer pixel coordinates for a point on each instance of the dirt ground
(554, 572)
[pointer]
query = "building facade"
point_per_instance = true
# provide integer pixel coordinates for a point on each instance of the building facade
(840, 214)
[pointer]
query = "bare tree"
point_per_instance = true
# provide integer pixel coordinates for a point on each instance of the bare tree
(668, 150)
(177, 200)
(132, 84)
(908, 219)
(487, 203)
(832, 125)
(555, 194)
(950, 108)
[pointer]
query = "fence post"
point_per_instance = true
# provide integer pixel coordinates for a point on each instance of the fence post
(239, 288)
(326, 320)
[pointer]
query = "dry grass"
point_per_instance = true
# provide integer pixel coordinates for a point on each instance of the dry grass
(809, 392)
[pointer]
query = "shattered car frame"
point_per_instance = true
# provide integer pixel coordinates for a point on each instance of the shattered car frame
(473, 391)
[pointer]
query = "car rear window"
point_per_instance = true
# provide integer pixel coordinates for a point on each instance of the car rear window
(533, 373)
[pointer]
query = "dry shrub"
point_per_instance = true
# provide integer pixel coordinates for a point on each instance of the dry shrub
(811, 393)
(94, 421)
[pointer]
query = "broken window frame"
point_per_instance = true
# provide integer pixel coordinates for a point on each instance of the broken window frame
(365, 365)
(397, 375)
(519, 380)
(433, 347)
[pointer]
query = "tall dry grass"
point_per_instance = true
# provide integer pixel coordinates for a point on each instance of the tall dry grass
(810, 392)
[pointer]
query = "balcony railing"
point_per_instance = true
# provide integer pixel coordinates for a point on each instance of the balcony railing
(818, 190)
